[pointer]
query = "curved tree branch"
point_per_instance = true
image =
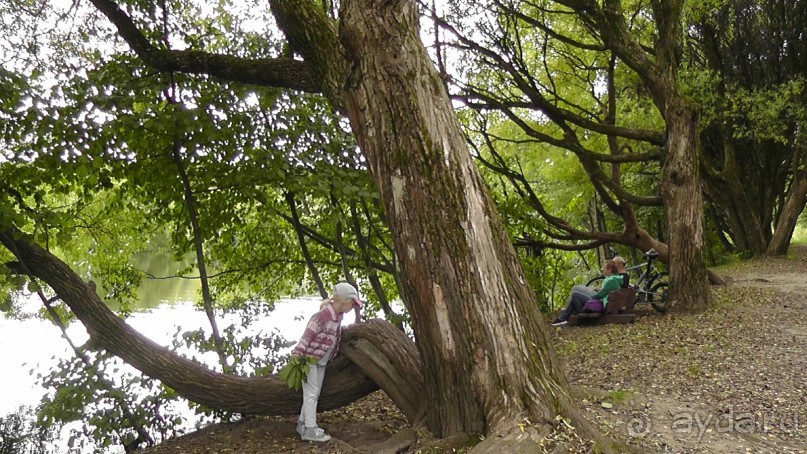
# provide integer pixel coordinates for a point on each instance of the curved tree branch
(280, 72)
(344, 382)
(587, 159)
(541, 25)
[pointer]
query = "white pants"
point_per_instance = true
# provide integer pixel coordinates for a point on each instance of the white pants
(311, 389)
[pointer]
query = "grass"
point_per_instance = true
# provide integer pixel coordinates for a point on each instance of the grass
(800, 233)
(618, 396)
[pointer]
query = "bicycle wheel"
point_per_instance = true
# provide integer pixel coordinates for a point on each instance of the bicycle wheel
(658, 296)
(595, 282)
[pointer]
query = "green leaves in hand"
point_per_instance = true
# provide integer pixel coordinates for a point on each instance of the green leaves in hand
(296, 371)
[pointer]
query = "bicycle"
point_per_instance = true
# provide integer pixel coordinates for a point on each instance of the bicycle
(651, 286)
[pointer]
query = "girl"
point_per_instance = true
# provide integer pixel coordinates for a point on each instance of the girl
(321, 340)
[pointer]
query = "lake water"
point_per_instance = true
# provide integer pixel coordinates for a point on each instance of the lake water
(37, 345)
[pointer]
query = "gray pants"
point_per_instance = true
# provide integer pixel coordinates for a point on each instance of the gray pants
(312, 386)
(585, 290)
(578, 296)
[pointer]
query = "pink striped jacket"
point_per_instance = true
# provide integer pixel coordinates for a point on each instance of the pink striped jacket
(323, 330)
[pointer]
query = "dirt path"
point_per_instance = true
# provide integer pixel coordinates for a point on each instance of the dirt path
(730, 380)
(727, 381)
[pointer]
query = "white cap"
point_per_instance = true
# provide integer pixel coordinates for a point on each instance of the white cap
(346, 290)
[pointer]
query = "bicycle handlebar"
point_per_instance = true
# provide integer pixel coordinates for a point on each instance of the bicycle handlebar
(651, 253)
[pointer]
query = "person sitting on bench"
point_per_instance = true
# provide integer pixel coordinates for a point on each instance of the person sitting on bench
(588, 292)
(580, 293)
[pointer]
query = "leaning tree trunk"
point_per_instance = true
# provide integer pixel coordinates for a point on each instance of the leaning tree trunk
(789, 215)
(488, 363)
(683, 208)
(743, 220)
(724, 186)
(384, 355)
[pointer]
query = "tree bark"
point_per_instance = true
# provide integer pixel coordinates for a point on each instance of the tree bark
(748, 174)
(680, 181)
(683, 208)
(727, 191)
(488, 364)
(786, 223)
(271, 72)
(487, 360)
(743, 223)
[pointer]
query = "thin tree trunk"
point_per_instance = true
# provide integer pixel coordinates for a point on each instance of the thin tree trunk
(743, 220)
(362, 243)
(298, 229)
(340, 243)
(680, 183)
(207, 299)
(720, 229)
(190, 203)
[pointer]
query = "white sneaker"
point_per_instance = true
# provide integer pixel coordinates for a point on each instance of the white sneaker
(315, 434)
(559, 323)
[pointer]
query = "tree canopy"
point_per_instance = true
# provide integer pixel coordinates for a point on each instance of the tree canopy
(289, 148)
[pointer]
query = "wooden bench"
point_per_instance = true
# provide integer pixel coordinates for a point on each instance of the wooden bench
(620, 303)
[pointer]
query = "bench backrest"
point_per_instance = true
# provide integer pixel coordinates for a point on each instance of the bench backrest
(619, 300)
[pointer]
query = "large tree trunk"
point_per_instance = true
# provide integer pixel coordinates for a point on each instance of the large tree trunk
(385, 356)
(487, 361)
(683, 208)
(486, 358)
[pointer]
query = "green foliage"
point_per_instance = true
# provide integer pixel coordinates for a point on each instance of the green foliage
(19, 434)
(239, 166)
(89, 172)
(10, 284)
(109, 402)
(252, 355)
(530, 96)
(800, 235)
(742, 66)
(617, 396)
(759, 113)
(295, 372)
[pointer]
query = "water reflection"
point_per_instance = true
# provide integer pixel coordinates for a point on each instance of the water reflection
(161, 284)
(32, 346)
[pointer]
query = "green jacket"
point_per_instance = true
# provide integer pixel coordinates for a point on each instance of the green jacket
(610, 284)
